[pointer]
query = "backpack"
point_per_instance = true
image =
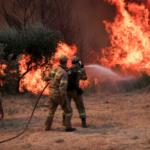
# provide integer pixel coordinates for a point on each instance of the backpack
(72, 78)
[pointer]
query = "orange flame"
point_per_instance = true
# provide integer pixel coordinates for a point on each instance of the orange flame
(3, 66)
(130, 43)
(130, 37)
(33, 80)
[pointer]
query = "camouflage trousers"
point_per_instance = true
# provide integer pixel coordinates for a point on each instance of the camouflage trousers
(78, 102)
(53, 104)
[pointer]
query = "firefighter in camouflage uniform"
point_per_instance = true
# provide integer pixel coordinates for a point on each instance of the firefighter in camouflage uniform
(76, 73)
(58, 81)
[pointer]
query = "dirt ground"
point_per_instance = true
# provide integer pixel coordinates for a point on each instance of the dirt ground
(115, 122)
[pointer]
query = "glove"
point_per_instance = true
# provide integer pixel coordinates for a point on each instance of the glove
(47, 77)
(64, 103)
(80, 91)
(81, 65)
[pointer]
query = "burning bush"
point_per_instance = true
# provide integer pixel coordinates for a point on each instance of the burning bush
(36, 42)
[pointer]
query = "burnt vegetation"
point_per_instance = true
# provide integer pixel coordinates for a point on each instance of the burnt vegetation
(35, 42)
(34, 28)
(54, 14)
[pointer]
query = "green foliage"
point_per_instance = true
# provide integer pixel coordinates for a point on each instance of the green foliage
(135, 137)
(60, 141)
(11, 111)
(11, 37)
(145, 79)
(36, 40)
(40, 41)
(2, 47)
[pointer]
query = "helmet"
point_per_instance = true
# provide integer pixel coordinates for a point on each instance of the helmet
(63, 58)
(74, 59)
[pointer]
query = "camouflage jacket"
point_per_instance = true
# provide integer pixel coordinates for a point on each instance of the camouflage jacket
(58, 81)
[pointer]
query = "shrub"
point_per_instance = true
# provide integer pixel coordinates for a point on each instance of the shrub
(36, 41)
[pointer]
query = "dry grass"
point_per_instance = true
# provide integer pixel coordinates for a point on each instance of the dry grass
(115, 122)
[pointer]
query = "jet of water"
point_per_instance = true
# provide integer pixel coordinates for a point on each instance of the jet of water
(114, 81)
(99, 71)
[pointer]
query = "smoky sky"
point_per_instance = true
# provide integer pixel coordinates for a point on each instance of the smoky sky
(92, 13)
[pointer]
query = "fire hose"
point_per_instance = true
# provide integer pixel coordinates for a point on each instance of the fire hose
(28, 120)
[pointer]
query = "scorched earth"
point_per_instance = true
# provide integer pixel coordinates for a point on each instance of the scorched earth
(115, 122)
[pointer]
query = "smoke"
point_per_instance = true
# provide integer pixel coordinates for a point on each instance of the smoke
(92, 13)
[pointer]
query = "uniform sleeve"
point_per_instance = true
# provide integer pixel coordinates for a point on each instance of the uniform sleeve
(83, 75)
(47, 76)
(63, 85)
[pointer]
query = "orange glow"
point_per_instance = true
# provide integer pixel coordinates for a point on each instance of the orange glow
(129, 35)
(2, 67)
(64, 49)
(33, 81)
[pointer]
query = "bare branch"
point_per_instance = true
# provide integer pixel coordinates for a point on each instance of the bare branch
(21, 11)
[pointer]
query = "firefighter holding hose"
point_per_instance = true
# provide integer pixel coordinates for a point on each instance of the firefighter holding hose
(76, 73)
(58, 79)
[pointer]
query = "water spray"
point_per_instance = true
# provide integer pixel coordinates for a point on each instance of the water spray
(102, 70)
(98, 71)
(113, 81)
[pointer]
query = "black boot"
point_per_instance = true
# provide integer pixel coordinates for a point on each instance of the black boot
(63, 120)
(84, 122)
(68, 124)
(48, 123)
(70, 129)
